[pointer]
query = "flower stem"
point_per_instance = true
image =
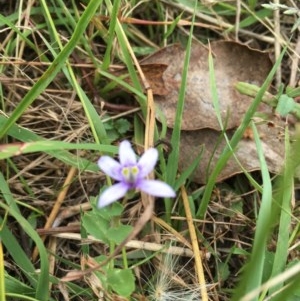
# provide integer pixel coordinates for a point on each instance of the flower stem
(124, 255)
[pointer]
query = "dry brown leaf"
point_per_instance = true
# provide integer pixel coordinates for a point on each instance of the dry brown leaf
(212, 143)
(233, 62)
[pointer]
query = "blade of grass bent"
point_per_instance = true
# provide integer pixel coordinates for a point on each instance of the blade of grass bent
(226, 154)
(16, 149)
(25, 135)
(57, 64)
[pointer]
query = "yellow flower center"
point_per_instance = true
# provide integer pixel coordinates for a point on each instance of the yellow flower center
(130, 173)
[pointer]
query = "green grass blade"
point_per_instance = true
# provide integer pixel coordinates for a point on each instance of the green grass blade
(284, 200)
(6, 21)
(13, 210)
(14, 286)
(256, 263)
(214, 91)
(93, 117)
(43, 276)
(288, 292)
(55, 41)
(16, 251)
(111, 33)
(15, 149)
(8, 239)
(188, 173)
(19, 297)
(172, 165)
(25, 135)
(125, 85)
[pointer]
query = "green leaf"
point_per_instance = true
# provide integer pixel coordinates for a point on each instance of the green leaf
(109, 212)
(223, 271)
(121, 281)
(96, 226)
(285, 105)
(119, 233)
(122, 125)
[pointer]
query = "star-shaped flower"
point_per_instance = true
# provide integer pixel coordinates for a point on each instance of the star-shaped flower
(131, 174)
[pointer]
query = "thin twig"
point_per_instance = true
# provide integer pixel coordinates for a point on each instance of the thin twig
(134, 244)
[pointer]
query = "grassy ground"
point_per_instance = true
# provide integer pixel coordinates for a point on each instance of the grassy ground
(71, 89)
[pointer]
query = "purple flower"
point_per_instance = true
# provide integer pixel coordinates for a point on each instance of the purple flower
(131, 174)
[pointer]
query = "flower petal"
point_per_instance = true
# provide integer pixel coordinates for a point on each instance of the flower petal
(112, 194)
(156, 188)
(126, 154)
(111, 167)
(147, 162)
